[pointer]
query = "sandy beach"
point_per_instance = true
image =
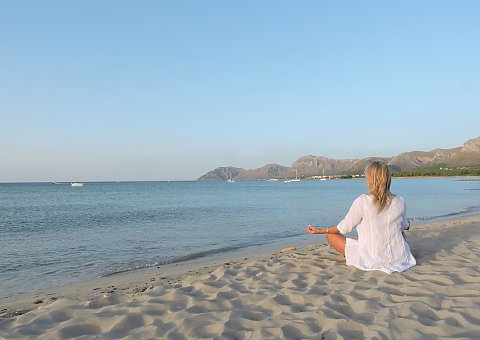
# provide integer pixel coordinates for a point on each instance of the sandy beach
(305, 293)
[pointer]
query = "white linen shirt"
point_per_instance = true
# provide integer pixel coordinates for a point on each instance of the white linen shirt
(380, 244)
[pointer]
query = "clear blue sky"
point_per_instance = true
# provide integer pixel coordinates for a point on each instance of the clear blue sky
(167, 90)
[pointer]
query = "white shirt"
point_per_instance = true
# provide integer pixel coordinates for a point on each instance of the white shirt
(380, 245)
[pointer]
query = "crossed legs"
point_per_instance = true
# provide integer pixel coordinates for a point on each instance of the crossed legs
(338, 242)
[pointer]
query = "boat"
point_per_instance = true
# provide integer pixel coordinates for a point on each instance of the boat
(272, 179)
(296, 179)
(230, 179)
(323, 176)
(76, 184)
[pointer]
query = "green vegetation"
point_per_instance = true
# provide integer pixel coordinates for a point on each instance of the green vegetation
(439, 172)
(419, 172)
(347, 176)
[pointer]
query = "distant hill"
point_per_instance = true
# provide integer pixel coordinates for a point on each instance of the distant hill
(466, 155)
(222, 174)
(265, 172)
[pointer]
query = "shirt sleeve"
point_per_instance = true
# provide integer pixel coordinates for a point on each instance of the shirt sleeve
(353, 218)
(405, 223)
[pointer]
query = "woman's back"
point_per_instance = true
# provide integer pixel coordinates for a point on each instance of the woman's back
(380, 218)
(380, 245)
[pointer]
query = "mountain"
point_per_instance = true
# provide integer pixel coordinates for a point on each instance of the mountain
(222, 174)
(317, 165)
(466, 155)
(265, 172)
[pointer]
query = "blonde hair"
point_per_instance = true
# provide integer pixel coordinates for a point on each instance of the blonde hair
(378, 182)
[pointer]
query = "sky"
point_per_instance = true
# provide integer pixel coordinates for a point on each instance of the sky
(168, 90)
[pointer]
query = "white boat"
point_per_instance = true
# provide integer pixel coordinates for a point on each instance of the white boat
(323, 177)
(296, 179)
(230, 179)
(76, 184)
(272, 179)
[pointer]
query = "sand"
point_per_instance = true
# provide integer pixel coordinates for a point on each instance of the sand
(305, 293)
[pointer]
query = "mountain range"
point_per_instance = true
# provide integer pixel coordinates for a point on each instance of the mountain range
(466, 155)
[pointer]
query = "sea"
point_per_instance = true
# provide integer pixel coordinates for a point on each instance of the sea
(55, 234)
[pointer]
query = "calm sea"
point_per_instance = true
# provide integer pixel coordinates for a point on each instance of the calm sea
(57, 234)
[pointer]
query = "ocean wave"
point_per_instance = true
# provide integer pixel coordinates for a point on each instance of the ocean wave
(206, 253)
(474, 210)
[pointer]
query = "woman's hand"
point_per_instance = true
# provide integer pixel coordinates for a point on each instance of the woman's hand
(312, 230)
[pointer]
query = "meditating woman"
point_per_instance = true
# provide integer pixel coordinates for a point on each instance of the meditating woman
(380, 219)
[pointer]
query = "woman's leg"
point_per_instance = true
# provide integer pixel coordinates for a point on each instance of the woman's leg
(337, 241)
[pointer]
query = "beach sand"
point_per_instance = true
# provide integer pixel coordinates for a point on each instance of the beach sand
(305, 293)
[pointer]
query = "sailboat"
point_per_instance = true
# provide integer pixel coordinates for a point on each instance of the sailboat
(323, 177)
(296, 179)
(230, 179)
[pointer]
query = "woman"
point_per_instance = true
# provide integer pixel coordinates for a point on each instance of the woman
(380, 219)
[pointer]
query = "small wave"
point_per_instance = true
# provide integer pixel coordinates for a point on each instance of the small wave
(200, 254)
(214, 251)
(466, 212)
(181, 258)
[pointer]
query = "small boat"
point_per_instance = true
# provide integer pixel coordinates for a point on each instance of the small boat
(296, 179)
(323, 176)
(230, 179)
(76, 184)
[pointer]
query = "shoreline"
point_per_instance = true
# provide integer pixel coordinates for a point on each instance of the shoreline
(278, 288)
(132, 281)
(190, 261)
(211, 257)
(467, 177)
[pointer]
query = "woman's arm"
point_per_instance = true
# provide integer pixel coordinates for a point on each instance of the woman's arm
(354, 215)
(329, 230)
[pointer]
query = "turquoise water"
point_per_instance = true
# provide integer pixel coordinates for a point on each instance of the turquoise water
(58, 234)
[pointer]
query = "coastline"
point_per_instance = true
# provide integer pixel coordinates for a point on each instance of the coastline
(128, 283)
(303, 293)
